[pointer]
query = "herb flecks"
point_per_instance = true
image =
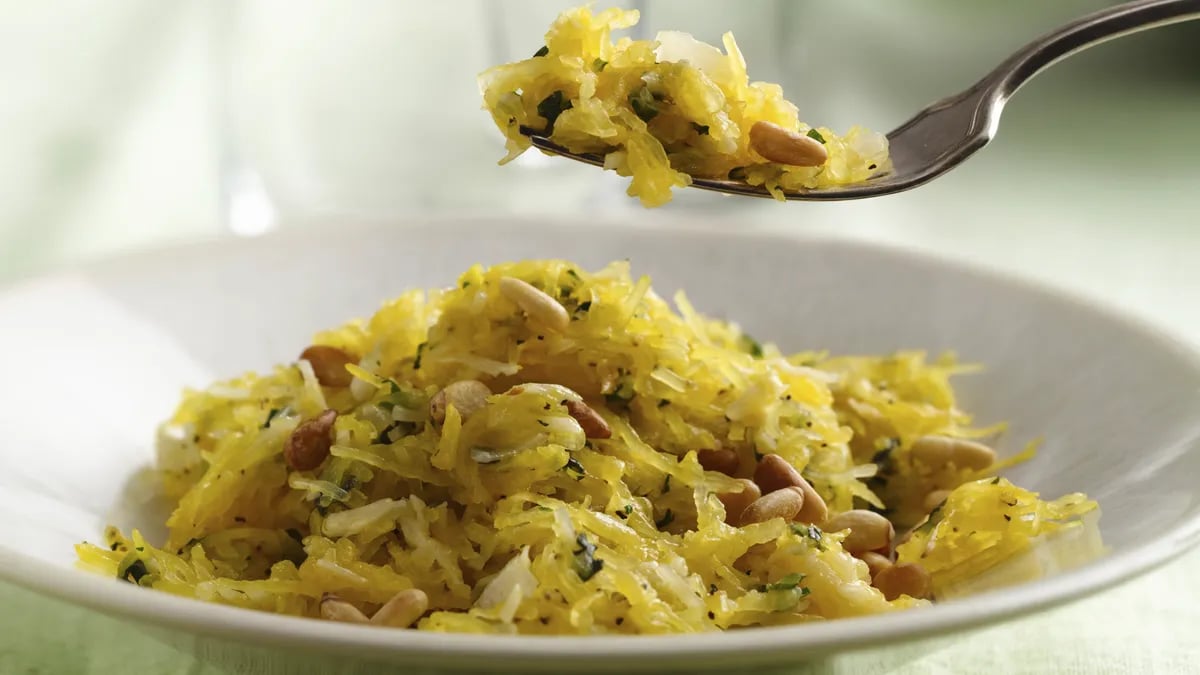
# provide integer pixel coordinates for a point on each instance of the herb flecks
(541, 52)
(552, 106)
(272, 414)
(811, 532)
(816, 136)
(667, 518)
(574, 467)
(644, 104)
(751, 346)
(134, 572)
(790, 582)
(586, 562)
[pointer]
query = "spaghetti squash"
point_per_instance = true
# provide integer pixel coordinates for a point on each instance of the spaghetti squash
(541, 449)
(662, 111)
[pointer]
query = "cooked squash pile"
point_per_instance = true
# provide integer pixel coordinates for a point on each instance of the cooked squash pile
(544, 449)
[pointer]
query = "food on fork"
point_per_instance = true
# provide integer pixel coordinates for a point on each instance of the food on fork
(665, 110)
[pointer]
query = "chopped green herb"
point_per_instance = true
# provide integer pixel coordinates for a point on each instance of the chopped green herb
(541, 52)
(621, 396)
(465, 284)
(272, 414)
(667, 484)
(586, 562)
(815, 135)
(810, 532)
(644, 104)
(584, 306)
(598, 65)
(712, 589)
(385, 436)
(701, 129)
(134, 572)
(751, 346)
(787, 583)
(996, 480)
(666, 519)
(552, 106)
(420, 353)
(573, 466)
(628, 509)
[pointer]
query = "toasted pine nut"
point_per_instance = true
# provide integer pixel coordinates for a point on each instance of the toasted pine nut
(329, 365)
(876, 562)
(775, 473)
(723, 460)
(309, 443)
(467, 397)
(937, 451)
(536, 304)
(935, 499)
(334, 608)
(736, 502)
(815, 510)
(403, 609)
(783, 503)
(868, 530)
(904, 579)
(784, 146)
(590, 421)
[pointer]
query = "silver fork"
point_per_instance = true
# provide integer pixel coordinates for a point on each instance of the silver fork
(949, 131)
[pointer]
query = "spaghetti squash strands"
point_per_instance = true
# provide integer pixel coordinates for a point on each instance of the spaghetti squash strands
(528, 516)
(665, 110)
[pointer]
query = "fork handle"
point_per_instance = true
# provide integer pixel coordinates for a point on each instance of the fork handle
(1093, 29)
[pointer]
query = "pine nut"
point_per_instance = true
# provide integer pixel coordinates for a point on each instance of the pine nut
(329, 365)
(783, 503)
(815, 510)
(590, 421)
(868, 530)
(403, 609)
(723, 460)
(536, 304)
(935, 499)
(904, 579)
(775, 473)
(309, 443)
(876, 562)
(736, 502)
(334, 608)
(467, 397)
(784, 146)
(938, 451)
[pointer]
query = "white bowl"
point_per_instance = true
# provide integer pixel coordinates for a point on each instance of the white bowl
(95, 358)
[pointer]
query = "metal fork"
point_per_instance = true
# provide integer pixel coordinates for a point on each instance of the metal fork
(949, 131)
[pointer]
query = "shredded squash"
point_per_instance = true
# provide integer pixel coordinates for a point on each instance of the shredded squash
(662, 111)
(569, 496)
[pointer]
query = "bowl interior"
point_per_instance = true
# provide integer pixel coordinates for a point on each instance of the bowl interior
(96, 358)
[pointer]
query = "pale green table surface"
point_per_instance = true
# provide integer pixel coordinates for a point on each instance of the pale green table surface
(1094, 189)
